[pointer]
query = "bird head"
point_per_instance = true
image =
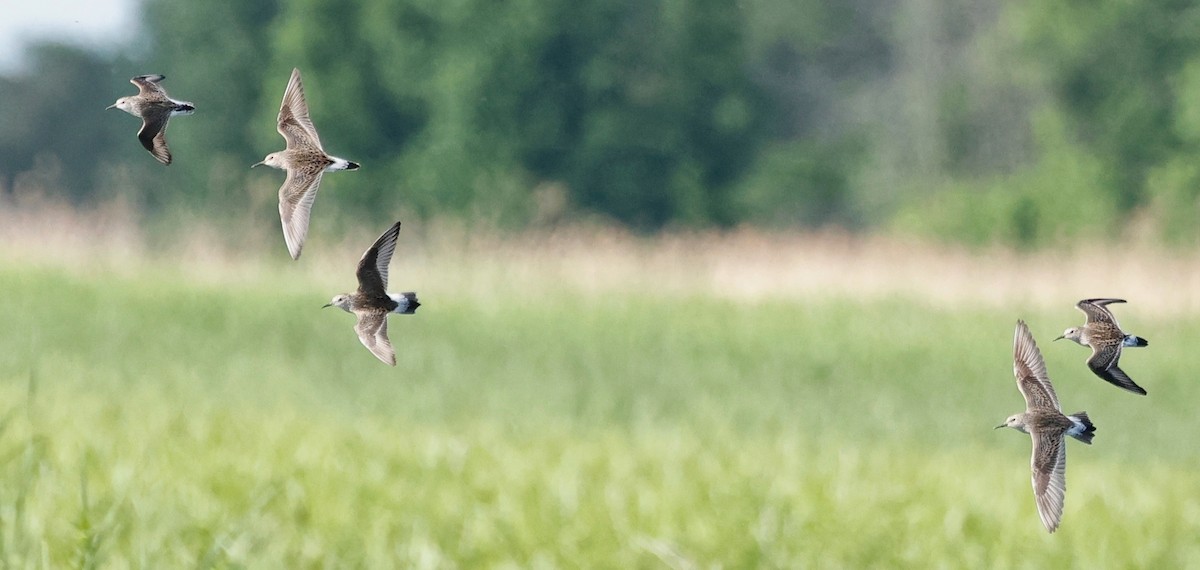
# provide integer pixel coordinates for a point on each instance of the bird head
(274, 160)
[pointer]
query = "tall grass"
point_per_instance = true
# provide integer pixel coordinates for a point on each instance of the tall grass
(156, 414)
(576, 397)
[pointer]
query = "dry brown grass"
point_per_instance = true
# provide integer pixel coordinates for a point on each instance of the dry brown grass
(744, 264)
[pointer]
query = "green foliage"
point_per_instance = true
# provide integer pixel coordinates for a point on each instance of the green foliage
(1174, 188)
(251, 429)
(53, 125)
(1173, 185)
(643, 111)
(792, 184)
(1113, 68)
(213, 56)
(649, 113)
(1066, 196)
(1119, 81)
(861, 113)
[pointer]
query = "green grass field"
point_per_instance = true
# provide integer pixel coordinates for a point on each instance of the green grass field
(149, 419)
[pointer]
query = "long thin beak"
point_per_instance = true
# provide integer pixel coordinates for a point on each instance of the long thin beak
(258, 164)
(1000, 426)
(1059, 338)
(327, 305)
(110, 106)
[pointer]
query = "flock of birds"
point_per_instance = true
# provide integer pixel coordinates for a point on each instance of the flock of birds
(305, 161)
(1043, 418)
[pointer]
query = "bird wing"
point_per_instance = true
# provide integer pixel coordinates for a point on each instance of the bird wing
(153, 135)
(148, 84)
(293, 115)
(373, 267)
(296, 198)
(372, 331)
(1049, 465)
(1096, 310)
(1104, 354)
(1104, 363)
(1030, 371)
(296, 136)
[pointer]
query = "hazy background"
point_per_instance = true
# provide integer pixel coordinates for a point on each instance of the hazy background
(98, 25)
(704, 284)
(962, 120)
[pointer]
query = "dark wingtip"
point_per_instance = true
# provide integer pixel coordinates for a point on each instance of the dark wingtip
(1101, 301)
(1118, 378)
(1124, 381)
(1132, 388)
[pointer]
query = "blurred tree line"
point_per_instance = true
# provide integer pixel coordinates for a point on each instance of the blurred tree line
(969, 120)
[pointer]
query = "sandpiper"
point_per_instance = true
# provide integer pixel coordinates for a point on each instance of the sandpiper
(1102, 333)
(153, 106)
(1044, 421)
(304, 160)
(372, 303)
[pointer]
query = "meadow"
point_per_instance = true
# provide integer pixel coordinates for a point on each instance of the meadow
(578, 399)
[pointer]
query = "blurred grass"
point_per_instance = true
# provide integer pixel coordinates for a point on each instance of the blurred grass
(150, 419)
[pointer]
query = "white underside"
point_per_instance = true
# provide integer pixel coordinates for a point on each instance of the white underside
(401, 302)
(342, 164)
(1076, 429)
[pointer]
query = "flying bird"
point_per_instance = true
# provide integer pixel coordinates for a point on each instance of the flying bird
(155, 108)
(1046, 425)
(371, 303)
(1105, 337)
(305, 162)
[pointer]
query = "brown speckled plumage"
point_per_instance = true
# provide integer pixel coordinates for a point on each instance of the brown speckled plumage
(371, 303)
(305, 161)
(155, 108)
(1104, 336)
(1047, 426)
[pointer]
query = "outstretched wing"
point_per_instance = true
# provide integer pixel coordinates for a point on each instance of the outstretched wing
(148, 84)
(1030, 371)
(153, 135)
(373, 267)
(372, 331)
(1049, 465)
(1096, 310)
(297, 137)
(294, 124)
(296, 198)
(1104, 363)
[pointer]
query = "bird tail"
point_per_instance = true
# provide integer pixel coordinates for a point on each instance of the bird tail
(1084, 429)
(342, 164)
(406, 303)
(1131, 340)
(183, 108)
